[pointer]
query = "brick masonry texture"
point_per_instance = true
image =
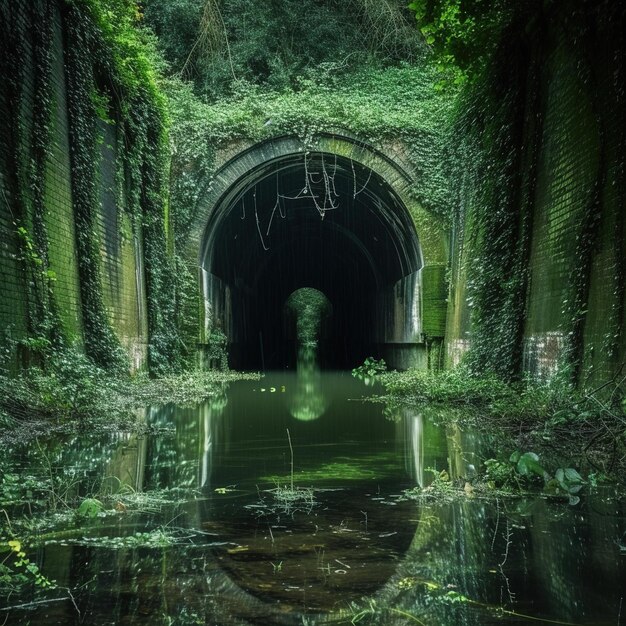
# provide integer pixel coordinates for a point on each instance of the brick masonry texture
(579, 149)
(123, 288)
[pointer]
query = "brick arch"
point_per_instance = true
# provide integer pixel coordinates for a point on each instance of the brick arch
(411, 310)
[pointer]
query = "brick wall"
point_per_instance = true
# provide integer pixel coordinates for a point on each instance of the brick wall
(580, 106)
(120, 252)
(120, 244)
(13, 299)
(58, 200)
(567, 172)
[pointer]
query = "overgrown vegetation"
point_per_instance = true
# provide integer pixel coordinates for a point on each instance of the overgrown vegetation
(584, 429)
(69, 391)
(112, 97)
(220, 45)
(369, 103)
(497, 52)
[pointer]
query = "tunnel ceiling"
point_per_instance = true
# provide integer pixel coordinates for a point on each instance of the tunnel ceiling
(312, 220)
(270, 214)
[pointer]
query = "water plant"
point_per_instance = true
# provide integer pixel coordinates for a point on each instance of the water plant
(286, 499)
(370, 370)
(17, 570)
(589, 425)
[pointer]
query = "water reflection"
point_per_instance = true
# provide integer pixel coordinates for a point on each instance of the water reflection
(199, 540)
(414, 427)
(307, 401)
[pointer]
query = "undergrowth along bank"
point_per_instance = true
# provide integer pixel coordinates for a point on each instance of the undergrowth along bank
(582, 428)
(73, 393)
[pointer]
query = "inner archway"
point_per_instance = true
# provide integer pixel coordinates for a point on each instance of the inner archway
(306, 315)
(313, 219)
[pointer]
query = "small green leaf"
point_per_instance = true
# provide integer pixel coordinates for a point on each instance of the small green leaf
(572, 476)
(90, 507)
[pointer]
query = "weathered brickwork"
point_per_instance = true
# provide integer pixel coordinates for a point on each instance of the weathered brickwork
(58, 201)
(120, 253)
(121, 262)
(578, 193)
(580, 173)
(13, 300)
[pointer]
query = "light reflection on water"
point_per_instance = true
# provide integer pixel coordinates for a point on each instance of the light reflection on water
(231, 553)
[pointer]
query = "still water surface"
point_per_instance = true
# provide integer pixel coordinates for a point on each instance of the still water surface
(209, 531)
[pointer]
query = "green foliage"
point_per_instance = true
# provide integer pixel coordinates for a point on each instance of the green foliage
(112, 76)
(566, 482)
(370, 103)
(89, 508)
(370, 368)
(30, 148)
(519, 475)
(217, 351)
(70, 386)
(455, 387)
(218, 43)
(463, 33)
(588, 428)
(21, 570)
(177, 25)
(17, 488)
(527, 464)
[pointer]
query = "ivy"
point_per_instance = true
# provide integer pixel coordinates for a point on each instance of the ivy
(497, 129)
(463, 33)
(374, 104)
(106, 40)
(30, 146)
(101, 344)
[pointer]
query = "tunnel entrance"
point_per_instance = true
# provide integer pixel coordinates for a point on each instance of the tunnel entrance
(307, 314)
(314, 220)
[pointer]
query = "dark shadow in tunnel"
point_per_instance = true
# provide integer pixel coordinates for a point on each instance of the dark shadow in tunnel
(306, 220)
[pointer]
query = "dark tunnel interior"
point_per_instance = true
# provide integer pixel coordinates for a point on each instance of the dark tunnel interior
(307, 220)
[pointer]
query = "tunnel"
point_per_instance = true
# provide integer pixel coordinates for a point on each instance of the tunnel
(309, 219)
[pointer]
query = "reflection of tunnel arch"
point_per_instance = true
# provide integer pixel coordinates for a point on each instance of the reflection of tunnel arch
(260, 236)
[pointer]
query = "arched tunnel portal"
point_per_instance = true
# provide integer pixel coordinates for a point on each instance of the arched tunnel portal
(291, 218)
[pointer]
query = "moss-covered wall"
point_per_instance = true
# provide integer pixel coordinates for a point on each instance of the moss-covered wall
(565, 173)
(13, 303)
(121, 252)
(39, 258)
(59, 215)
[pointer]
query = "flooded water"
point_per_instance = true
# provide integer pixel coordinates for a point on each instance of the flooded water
(280, 502)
